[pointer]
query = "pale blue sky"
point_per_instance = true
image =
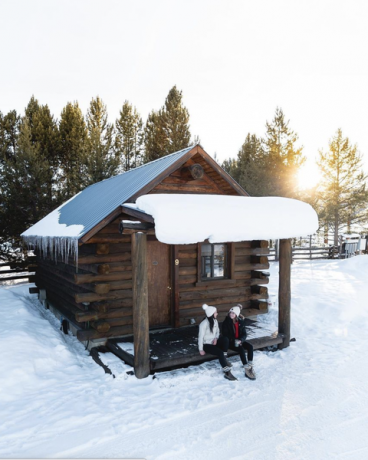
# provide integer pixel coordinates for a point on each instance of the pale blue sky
(235, 62)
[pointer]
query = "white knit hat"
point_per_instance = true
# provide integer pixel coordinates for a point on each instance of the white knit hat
(209, 310)
(236, 309)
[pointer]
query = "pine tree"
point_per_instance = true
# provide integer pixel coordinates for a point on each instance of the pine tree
(283, 159)
(167, 130)
(249, 166)
(32, 108)
(73, 145)
(129, 139)
(45, 136)
(342, 192)
(175, 122)
(154, 137)
(9, 130)
(269, 167)
(24, 190)
(100, 158)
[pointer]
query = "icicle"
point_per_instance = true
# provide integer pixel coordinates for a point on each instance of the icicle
(62, 247)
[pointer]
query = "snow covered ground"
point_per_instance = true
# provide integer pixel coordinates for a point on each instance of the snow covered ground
(310, 401)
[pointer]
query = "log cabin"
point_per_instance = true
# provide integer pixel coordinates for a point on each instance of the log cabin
(103, 267)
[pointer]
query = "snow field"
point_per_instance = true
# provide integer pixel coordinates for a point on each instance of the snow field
(310, 401)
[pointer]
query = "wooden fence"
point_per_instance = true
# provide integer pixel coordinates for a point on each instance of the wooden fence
(23, 270)
(308, 253)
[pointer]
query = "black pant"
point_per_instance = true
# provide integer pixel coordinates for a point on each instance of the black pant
(240, 349)
(218, 350)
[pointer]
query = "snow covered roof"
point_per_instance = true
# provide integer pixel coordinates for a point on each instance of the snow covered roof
(85, 210)
(186, 219)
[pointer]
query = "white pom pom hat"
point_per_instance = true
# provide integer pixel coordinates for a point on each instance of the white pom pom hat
(236, 309)
(209, 310)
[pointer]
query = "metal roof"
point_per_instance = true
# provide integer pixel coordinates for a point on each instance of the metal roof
(97, 201)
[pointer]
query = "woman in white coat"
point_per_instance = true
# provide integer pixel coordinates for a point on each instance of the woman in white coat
(209, 340)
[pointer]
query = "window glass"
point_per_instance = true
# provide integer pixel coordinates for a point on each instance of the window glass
(206, 260)
(214, 261)
(219, 260)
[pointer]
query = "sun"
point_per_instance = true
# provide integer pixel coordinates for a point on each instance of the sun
(308, 175)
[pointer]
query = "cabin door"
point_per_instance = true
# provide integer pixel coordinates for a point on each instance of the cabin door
(159, 286)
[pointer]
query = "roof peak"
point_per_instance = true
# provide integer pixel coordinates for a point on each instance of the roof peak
(149, 163)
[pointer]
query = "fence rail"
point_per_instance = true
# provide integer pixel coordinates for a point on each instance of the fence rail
(21, 270)
(306, 253)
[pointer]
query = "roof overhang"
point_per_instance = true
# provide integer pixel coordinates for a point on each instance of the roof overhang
(190, 218)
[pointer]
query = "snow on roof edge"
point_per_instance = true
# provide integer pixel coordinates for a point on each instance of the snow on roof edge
(189, 219)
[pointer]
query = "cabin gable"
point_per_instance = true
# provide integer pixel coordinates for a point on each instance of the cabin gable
(182, 181)
(177, 178)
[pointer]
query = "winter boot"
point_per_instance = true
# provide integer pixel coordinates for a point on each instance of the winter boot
(228, 363)
(228, 375)
(249, 371)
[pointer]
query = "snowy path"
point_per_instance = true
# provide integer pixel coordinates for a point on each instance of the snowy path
(309, 401)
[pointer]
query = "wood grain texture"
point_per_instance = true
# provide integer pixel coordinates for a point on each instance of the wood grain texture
(140, 305)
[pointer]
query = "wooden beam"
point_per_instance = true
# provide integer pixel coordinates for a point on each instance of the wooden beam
(92, 278)
(84, 335)
(95, 316)
(100, 225)
(140, 305)
(112, 295)
(109, 258)
(130, 231)
(284, 291)
(138, 214)
(137, 226)
(259, 244)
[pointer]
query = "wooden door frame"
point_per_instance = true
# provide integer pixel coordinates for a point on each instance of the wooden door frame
(175, 316)
(171, 321)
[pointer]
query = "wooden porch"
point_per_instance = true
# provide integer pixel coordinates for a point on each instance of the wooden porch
(173, 348)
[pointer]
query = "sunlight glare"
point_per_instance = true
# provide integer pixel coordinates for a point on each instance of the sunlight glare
(308, 175)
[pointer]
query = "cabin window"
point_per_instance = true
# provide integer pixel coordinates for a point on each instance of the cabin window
(214, 261)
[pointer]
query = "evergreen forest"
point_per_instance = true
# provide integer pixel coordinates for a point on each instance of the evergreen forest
(45, 160)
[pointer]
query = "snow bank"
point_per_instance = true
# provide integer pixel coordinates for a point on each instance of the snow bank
(310, 401)
(185, 219)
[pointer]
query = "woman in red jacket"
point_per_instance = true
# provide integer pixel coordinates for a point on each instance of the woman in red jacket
(234, 329)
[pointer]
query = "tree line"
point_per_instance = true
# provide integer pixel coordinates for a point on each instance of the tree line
(45, 161)
(269, 166)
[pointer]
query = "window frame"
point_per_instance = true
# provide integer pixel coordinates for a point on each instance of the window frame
(229, 265)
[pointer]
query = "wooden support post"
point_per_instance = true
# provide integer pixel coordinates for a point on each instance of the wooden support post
(175, 284)
(140, 305)
(277, 250)
(284, 291)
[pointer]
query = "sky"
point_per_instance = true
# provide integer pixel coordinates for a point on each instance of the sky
(235, 62)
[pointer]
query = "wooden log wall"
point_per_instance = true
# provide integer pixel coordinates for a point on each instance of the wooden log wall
(246, 287)
(98, 293)
(210, 183)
